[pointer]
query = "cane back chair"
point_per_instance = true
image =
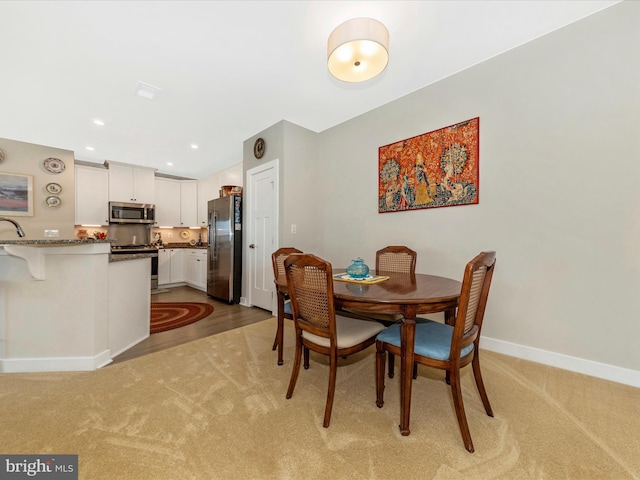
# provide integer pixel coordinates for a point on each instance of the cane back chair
(449, 347)
(318, 328)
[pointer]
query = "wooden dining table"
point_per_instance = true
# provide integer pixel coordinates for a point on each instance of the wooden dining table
(408, 295)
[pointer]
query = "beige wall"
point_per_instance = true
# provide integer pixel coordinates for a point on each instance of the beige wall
(559, 201)
(27, 159)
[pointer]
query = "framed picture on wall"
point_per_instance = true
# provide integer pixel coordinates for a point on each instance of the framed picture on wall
(435, 169)
(16, 195)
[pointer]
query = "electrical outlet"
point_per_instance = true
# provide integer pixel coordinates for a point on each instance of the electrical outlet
(51, 233)
(170, 235)
(293, 228)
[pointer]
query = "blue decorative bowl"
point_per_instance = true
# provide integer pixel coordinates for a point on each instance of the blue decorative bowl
(358, 269)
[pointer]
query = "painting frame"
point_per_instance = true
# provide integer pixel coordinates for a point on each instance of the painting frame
(436, 169)
(16, 195)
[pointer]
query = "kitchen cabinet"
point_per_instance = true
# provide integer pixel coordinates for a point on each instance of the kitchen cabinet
(167, 201)
(164, 266)
(171, 265)
(128, 183)
(92, 195)
(197, 268)
(207, 190)
(176, 202)
(189, 203)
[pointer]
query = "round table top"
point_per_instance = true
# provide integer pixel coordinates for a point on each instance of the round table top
(401, 288)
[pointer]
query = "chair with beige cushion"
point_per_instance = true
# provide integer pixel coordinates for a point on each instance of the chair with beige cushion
(318, 328)
(449, 347)
(284, 306)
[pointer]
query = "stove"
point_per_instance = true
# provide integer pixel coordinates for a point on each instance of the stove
(147, 248)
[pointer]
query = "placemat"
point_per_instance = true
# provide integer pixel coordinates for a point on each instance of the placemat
(368, 280)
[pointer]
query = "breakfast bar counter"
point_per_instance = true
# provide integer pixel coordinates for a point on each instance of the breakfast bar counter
(65, 306)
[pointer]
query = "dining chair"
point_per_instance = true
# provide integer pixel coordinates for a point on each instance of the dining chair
(282, 299)
(393, 259)
(318, 327)
(449, 347)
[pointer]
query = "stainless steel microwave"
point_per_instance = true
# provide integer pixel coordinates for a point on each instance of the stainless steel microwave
(120, 212)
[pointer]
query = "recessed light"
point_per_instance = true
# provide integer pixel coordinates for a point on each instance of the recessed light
(145, 90)
(90, 148)
(194, 146)
(170, 164)
(97, 121)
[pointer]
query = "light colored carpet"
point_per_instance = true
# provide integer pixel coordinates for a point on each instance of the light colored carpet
(215, 409)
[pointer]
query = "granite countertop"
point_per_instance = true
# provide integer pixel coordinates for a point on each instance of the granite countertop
(129, 256)
(53, 242)
(182, 245)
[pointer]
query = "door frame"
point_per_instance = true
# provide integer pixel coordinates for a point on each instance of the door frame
(248, 222)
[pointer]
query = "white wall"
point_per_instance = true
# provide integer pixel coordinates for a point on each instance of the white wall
(559, 196)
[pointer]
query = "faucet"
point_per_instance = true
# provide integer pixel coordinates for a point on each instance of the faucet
(17, 225)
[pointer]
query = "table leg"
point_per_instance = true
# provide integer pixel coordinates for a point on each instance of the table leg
(407, 340)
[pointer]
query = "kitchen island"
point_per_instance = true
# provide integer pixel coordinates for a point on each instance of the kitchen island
(64, 305)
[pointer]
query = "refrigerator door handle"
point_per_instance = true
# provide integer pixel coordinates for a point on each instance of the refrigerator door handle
(214, 248)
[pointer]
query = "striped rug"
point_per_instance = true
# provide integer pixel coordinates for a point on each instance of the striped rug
(167, 316)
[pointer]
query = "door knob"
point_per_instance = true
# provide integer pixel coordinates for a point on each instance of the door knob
(252, 245)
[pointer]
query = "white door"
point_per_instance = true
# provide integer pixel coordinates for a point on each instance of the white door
(262, 224)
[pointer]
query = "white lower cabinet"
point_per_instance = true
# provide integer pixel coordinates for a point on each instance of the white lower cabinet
(183, 265)
(171, 266)
(197, 268)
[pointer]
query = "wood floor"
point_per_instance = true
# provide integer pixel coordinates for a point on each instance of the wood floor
(224, 317)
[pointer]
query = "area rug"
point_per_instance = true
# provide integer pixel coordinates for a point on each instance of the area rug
(167, 316)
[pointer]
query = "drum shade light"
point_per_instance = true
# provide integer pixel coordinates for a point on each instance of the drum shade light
(358, 50)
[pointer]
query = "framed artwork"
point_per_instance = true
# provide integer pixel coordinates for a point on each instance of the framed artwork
(16, 195)
(435, 169)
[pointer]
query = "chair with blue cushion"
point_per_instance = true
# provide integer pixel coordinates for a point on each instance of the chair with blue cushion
(284, 305)
(449, 347)
(318, 327)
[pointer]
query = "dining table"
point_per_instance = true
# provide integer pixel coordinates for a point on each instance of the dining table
(405, 294)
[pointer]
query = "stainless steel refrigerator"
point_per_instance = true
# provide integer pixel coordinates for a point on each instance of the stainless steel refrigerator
(224, 256)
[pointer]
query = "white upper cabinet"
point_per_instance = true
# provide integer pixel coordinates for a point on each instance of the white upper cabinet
(128, 183)
(167, 201)
(176, 202)
(92, 195)
(207, 190)
(188, 203)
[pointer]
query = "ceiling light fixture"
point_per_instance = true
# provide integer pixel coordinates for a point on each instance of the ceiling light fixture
(358, 50)
(97, 121)
(145, 90)
(194, 146)
(90, 148)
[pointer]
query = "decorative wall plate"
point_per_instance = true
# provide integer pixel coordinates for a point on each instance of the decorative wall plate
(53, 165)
(184, 234)
(1, 156)
(53, 188)
(53, 201)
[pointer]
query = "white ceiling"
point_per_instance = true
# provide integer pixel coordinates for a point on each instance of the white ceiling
(227, 69)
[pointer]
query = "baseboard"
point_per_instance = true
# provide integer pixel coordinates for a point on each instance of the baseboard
(55, 364)
(566, 362)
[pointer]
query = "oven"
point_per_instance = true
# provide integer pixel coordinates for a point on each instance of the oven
(147, 250)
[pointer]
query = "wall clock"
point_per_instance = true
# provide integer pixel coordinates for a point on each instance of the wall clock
(259, 148)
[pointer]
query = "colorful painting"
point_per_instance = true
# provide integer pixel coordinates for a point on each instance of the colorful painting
(435, 169)
(16, 195)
